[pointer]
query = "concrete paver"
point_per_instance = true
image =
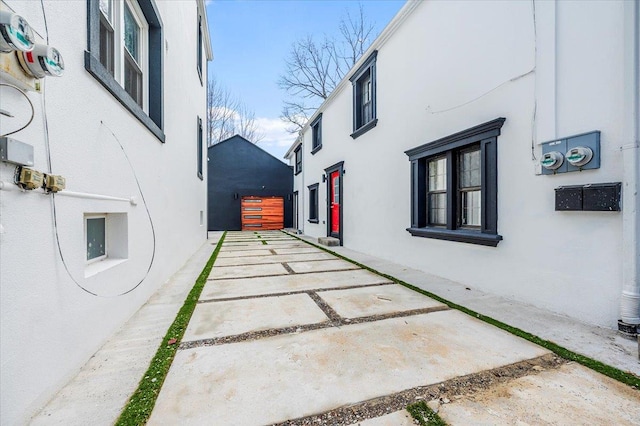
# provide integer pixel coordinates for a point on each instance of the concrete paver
(246, 271)
(365, 301)
(239, 254)
(299, 249)
(319, 370)
(571, 395)
(243, 287)
(321, 266)
(254, 260)
(218, 319)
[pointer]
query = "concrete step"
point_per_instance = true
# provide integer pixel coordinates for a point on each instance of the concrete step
(329, 241)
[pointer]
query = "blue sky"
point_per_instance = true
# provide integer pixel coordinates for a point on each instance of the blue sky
(252, 38)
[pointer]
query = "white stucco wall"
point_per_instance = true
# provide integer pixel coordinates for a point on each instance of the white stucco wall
(50, 327)
(451, 66)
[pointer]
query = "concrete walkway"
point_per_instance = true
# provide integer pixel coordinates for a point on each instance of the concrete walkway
(287, 334)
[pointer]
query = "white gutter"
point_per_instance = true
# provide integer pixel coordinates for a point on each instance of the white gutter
(630, 301)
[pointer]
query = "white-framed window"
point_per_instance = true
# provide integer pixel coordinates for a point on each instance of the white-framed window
(124, 47)
(95, 236)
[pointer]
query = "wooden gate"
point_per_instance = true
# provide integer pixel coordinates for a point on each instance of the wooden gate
(262, 213)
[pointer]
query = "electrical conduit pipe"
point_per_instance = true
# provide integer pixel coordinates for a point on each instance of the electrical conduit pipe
(630, 300)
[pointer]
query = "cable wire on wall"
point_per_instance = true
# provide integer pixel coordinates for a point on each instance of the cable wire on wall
(33, 111)
(53, 197)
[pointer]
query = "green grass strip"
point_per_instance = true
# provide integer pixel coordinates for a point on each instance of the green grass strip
(264, 242)
(627, 378)
(425, 415)
(141, 403)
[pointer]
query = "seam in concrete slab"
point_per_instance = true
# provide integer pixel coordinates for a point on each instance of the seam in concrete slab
(286, 266)
(334, 321)
(276, 275)
(287, 293)
(625, 377)
(324, 306)
(450, 389)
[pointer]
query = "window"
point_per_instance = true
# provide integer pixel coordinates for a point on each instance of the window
(124, 54)
(298, 153)
(199, 149)
(316, 129)
(313, 203)
(106, 241)
(200, 48)
(454, 186)
(364, 97)
(96, 238)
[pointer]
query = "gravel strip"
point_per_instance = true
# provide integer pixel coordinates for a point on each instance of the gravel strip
(335, 321)
(258, 296)
(445, 392)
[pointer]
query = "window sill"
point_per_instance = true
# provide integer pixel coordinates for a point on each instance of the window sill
(316, 149)
(364, 129)
(458, 235)
(101, 266)
(100, 73)
(297, 173)
(314, 221)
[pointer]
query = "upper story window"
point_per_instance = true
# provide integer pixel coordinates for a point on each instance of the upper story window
(199, 47)
(298, 154)
(199, 149)
(124, 54)
(364, 96)
(316, 129)
(455, 186)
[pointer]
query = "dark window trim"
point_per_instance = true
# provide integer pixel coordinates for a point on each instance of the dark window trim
(315, 187)
(199, 64)
(486, 135)
(314, 123)
(297, 151)
(368, 65)
(339, 167)
(200, 150)
(154, 120)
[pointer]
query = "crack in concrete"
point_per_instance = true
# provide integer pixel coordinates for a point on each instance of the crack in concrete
(452, 390)
(334, 321)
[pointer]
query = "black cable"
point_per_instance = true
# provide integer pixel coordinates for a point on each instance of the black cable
(53, 198)
(33, 110)
(44, 15)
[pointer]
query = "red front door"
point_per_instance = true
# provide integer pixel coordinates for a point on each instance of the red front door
(335, 203)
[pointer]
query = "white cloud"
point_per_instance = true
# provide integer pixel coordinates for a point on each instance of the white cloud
(275, 132)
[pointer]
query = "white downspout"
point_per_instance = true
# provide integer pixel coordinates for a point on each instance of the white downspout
(630, 301)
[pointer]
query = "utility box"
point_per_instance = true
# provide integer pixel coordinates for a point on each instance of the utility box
(569, 198)
(595, 197)
(564, 147)
(602, 197)
(15, 152)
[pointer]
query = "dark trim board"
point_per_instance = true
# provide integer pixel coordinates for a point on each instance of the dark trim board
(340, 168)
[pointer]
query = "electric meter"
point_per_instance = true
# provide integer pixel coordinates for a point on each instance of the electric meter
(552, 160)
(579, 156)
(42, 61)
(15, 33)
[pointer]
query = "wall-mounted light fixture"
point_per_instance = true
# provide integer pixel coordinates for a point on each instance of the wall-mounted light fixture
(235, 195)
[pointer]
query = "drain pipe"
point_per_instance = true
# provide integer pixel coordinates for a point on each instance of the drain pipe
(630, 301)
